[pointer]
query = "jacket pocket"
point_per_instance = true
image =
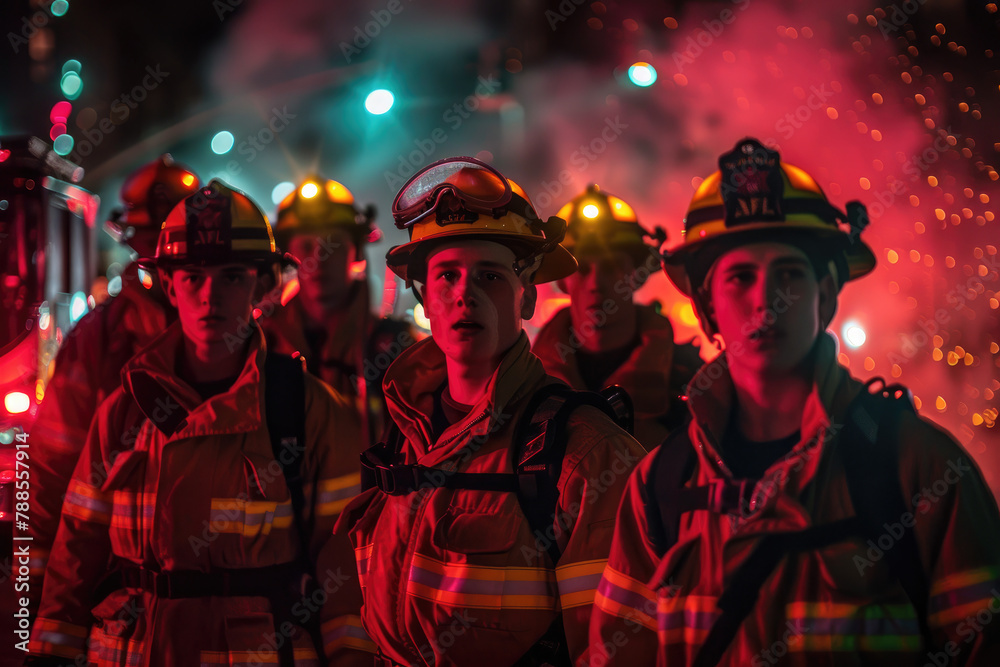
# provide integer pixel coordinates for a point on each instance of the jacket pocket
(116, 638)
(468, 532)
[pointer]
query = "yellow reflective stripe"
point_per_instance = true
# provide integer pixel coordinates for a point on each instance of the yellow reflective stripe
(88, 503)
(64, 640)
(831, 643)
(578, 582)
(963, 594)
(129, 506)
(622, 596)
(842, 610)
(685, 619)
(963, 579)
(333, 495)
(249, 517)
(824, 626)
(345, 632)
(462, 585)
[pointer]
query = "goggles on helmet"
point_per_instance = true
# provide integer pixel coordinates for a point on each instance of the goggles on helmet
(476, 188)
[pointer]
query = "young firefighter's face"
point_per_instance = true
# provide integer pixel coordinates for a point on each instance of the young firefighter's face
(212, 301)
(767, 306)
(475, 301)
(324, 273)
(600, 285)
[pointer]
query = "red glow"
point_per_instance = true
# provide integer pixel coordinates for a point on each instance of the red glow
(57, 130)
(60, 113)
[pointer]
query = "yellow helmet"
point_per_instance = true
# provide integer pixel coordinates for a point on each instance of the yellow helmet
(597, 219)
(464, 198)
(754, 195)
(215, 225)
(320, 205)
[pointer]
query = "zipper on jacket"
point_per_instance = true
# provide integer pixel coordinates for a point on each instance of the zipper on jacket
(468, 427)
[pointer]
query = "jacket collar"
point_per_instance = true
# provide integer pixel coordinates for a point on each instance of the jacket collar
(710, 401)
(645, 375)
(421, 369)
(176, 408)
(344, 341)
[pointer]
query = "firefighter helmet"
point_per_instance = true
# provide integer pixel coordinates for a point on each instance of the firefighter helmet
(148, 194)
(755, 196)
(599, 220)
(215, 225)
(320, 205)
(462, 198)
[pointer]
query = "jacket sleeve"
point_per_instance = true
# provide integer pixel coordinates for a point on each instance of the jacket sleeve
(623, 626)
(82, 546)
(59, 433)
(337, 443)
(587, 505)
(345, 642)
(957, 526)
(333, 428)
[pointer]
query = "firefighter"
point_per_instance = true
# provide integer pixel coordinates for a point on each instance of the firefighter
(88, 366)
(802, 518)
(329, 321)
(603, 337)
(209, 480)
(460, 559)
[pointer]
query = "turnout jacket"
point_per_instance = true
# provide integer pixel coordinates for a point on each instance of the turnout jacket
(87, 370)
(354, 355)
(173, 483)
(645, 375)
(841, 605)
(450, 577)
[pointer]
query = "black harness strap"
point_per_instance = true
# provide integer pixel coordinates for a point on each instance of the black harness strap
(740, 596)
(673, 464)
(870, 450)
(870, 447)
(540, 439)
(284, 402)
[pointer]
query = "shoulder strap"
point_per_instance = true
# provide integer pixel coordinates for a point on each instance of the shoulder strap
(870, 447)
(285, 404)
(541, 438)
(539, 446)
(673, 464)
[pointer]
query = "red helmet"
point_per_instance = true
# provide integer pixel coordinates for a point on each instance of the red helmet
(148, 195)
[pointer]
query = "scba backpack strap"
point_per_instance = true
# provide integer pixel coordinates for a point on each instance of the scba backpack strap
(540, 439)
(285, 406)
(870, 449)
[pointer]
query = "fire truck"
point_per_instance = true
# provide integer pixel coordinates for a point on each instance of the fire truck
(47, 261)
